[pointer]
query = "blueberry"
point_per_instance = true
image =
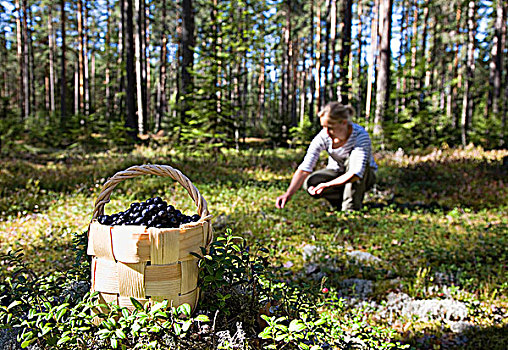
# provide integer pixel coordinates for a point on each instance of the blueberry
(195, 217)
(162, 206)
(173, 222)
(170, 209)
(149, 201)
(157, 200)
(138, 220)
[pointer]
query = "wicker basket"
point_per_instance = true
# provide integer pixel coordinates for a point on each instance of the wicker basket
(149, 264)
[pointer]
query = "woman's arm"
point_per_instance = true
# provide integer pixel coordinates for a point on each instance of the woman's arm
(349, 176)
(296, 182)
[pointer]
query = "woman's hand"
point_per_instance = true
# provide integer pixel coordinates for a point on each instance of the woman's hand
(281, 201)
(314, 190)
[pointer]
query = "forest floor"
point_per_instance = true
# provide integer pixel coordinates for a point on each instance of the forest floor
(427, 256)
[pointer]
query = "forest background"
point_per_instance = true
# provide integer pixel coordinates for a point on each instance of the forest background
(419, 73)
(228, 93)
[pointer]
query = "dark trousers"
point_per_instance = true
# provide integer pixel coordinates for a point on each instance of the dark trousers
(345, 197)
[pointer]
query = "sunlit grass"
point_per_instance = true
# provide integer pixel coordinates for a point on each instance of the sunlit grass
(439, 214)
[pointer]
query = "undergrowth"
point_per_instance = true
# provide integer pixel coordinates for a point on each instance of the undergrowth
(436, 223)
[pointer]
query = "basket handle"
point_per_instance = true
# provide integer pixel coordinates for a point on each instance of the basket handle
(149, 169)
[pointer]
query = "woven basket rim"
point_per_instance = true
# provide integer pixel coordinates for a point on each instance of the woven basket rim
(151, 169)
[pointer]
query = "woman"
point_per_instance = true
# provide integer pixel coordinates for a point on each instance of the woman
(351, 169)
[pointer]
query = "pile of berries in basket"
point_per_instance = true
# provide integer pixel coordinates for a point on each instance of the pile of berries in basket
(154, 212)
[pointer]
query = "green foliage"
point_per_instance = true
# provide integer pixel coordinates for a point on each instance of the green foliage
(302, 133)
(435, 220)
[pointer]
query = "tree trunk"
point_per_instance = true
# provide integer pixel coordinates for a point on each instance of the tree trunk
(119, 96)
(31, 77)
(345, 51)
(20, 56)
(371, 59)
(107, 73)
(399, 93)
(161, 89)
(80, 103)
(63, 107)
(424, 49)
(383, 76)
(502, 132)
(454, 69)
(147, 72)
(303, 78)
(76, 89)
(414, 45)
(86, 70)
(187, 56)
(139, 74)
(326, 61)
(467, 101)
(130, 121)
(318, 57)
(294, 81)
(312, 57)
(407, 47)
(332, 95)
(261, 84)
(26, 62)
(360, 66)
(51, 50)
(286, 66)
(496, 61)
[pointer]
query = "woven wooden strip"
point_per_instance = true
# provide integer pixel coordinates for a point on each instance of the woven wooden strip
(190, 298)
(207, 233)
(190, 274)
(131, 280)
(89, 249)
(164, 245)
(99, 238)
(104, 276)
(131, 244)
(149, 169)
(163, 280)
(126, 302)
(191, 241)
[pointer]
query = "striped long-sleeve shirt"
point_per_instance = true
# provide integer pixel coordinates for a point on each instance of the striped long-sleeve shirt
(358, 149)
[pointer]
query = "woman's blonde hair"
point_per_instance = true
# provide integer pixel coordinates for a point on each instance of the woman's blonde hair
(337, 111)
